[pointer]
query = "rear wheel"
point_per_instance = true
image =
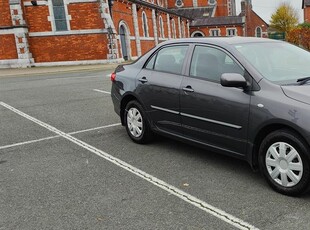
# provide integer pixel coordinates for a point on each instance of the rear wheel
(136, 124)
(284, 162)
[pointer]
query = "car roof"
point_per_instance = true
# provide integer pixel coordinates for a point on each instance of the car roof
(221, 40)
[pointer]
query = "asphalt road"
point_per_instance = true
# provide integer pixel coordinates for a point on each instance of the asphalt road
(66, 163)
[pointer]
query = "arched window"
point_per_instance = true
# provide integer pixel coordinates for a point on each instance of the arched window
(145, 25)
(258, 32)
(183, 30)
(197, 34)
(161, 27)
(174, 33)
(212, 2)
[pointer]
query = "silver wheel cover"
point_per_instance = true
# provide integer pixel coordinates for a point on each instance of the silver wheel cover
(134, 122)
(284, 164)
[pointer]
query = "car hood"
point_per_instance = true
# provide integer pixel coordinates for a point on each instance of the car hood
(300, 93)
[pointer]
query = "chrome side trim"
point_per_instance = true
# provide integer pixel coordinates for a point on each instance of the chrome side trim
(212, 121)
(165, 110)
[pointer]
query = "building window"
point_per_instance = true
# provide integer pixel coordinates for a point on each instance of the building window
(161, 27)
(197, 34)
(179, 3)
(145, 26)
(231, 32)
(212, 2)
(214, 32)
(258, 32)
(60, 15)
(183, 30)
(174, 33)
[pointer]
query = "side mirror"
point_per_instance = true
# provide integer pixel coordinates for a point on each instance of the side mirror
(233, 80)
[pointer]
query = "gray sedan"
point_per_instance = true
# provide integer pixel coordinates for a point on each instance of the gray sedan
(243, 97)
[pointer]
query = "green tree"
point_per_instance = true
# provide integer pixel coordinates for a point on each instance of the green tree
(284, 19)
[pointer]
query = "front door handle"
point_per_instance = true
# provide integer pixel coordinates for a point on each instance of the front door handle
(188, 89)
(143, 80)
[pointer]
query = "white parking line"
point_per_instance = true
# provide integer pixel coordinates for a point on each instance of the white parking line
(27, 142)
(52, 137)
(101, 91)
(234, 221)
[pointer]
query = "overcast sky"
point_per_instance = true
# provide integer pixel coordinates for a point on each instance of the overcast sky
(265, 8)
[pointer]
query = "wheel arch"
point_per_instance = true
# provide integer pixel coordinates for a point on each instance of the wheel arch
(127, 98)
(264, 131)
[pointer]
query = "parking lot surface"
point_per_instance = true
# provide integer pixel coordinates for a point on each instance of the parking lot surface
(67, 163)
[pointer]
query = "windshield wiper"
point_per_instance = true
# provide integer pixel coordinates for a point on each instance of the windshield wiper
(303, 80)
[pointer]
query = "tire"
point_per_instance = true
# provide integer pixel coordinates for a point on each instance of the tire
(137, 126)
(284, 162)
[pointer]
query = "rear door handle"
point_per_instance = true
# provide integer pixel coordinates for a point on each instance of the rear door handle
(188, 89)
(143, 80)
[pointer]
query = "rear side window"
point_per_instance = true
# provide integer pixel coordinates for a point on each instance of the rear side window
(169, 59)
(210, 63)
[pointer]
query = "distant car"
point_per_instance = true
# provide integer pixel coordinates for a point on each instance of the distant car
(244, 97)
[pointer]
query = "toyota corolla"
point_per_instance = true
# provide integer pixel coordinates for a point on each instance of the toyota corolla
(243, 97)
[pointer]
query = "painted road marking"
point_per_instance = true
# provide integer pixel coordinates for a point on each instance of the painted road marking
(101, 91)
(52, 137)
(228, 218)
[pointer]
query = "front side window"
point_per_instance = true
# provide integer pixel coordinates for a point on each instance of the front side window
(60, 15)
(169, 59)
(210, 63)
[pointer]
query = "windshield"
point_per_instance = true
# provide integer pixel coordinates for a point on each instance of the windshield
(281, 63)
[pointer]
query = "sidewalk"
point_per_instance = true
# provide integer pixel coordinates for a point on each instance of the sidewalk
(54, 69)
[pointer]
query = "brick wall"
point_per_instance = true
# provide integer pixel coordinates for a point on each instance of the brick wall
(85, 16)
(146, 46)
(307, 14)
(221, 9)
(69, 48)
(36, 18)
(253, 21)
(8, 47)
(223, 32)
(5, 16)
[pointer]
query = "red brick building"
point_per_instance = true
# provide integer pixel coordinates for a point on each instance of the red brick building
(306, 8)
(219, 19)
(66, 32)
(60, 32)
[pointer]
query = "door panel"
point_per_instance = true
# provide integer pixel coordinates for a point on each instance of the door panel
(211, 113)
(158, 85)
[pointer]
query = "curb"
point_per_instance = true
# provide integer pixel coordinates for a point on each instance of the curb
(34, 71)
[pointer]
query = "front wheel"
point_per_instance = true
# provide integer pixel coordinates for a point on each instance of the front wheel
(284, 162)
(136, 124)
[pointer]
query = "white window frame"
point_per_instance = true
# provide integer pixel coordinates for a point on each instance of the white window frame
(51, 18)
(261, 31)
(161, 27)
(230, 29)
(181, 5)
(218, 32)
(197, 32)
(145, 25)
(209, 2)
(173, 29)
